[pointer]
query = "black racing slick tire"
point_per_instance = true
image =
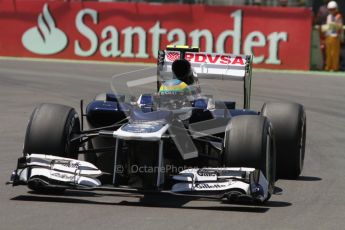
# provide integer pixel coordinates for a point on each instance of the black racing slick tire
(249, 143)
(50, 129)
(289, 124)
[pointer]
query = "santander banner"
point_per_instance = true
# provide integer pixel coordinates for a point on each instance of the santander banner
(278, 38)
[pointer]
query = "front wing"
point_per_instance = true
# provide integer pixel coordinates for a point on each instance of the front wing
(54, 172)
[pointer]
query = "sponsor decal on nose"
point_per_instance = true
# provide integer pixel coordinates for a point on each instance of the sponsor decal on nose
(45, 38)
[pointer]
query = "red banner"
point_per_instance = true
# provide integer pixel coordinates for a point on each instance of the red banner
(279, 38)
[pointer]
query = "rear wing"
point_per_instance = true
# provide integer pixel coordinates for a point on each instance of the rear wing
(208, 66)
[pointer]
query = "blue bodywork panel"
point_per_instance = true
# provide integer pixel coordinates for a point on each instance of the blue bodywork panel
(103, 113)
(114, 109)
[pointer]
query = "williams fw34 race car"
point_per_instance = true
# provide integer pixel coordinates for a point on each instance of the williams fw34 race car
(179, 139)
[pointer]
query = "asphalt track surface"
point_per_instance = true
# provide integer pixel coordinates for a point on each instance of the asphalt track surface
(315, 201)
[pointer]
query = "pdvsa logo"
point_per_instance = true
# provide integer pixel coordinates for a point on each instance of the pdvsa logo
(45, 38)
(172, 56)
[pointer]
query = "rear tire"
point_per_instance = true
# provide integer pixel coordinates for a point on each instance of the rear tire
(249, 143)
(289, 124)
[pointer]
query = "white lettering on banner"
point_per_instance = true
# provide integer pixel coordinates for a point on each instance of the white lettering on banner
(110, 37)
(236, 34)
(129, 34)
(197, 34)
(87, 32)
(274, 39)
(255, 39)
(156, 31)
(110, 46)
(181, 37)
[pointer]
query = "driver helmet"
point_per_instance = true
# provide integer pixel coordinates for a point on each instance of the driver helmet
(183, 71)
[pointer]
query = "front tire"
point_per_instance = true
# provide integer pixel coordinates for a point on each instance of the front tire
(49, 131)
(249, 143)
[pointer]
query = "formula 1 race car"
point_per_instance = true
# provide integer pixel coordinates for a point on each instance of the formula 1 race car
(186, 143)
